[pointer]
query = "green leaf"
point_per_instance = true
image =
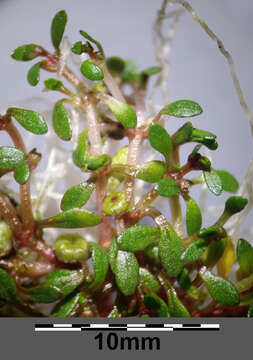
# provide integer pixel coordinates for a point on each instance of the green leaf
(100, 266)
(229, 182)
(77, 196)
(10, 157)
(80, 153)
(183, 134)
(160, 140)
(170, 250)
(73, 218)
(213, 181)
(204, 137)
(152, 253)
(193, 216)
(115, 203)
(126, 272)
(97, 162)
(91, 71)
(221, 290)
(152, 70)
(53, 84)
(152, 171)
(250, 312)
(244, 253)
(154, 302)
(57, 28)
(91, 39)
(77, 48)
(214, 252)
(21, 173)
(44, 294)
(68, 307)
(25, 52)
(211, 232)
(114, 313)
(58, 285)
(148, 281)
(30, 120)
(186, 284)
(138, 237)
(33, 76)
(194, 251)
(112, 254)
(182, 108)
(130, 72)
(235, 204)
(124, 113)
(176, 307)
(8, 289)
(167, 187)
(61, 122)
(115, 65)
(5, 239)
(71, 248)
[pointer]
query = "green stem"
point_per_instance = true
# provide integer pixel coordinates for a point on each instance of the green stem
(174, 201)
(25, 192)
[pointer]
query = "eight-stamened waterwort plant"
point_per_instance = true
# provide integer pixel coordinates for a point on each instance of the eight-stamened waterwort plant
(173, 267)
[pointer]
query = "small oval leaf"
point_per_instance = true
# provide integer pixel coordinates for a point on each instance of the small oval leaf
(80, 153)
(193, 216)
(115, 203)
(8, 288)
(25, 52)
(53, 84)
(148, 281)
(33, 76)
(71, 248)
(30, 120)
(58, 285)
(244, 253)
(214, 252)
(115, 65)
(77, 196)
(73, 218)
(91, 71)
(235, 204)
(176, 307)
(10, 157)
(138, 237)
(194, 251)
(167, 187)
(182, 108)
(68, 307)
(124, 113)
(221, 290)
(213, 181)
(154, 302)
(100, 266)
(61, 122)
(57, 28)
(112, 254)
(21, 173)
(227, 260)
(152, 171)
(160, 140)
(229, 182)
(126, 272)
(170, 251)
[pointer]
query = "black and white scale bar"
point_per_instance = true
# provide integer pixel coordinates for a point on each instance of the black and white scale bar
(127, 327)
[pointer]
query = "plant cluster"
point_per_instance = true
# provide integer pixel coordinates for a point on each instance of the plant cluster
(176, 268)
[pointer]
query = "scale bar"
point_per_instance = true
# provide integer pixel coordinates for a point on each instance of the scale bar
(127, 327)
